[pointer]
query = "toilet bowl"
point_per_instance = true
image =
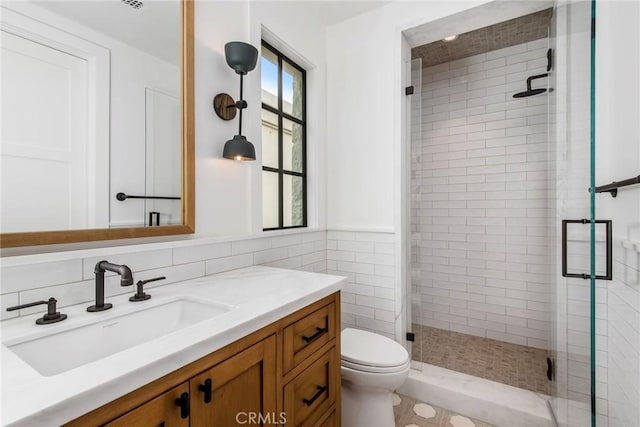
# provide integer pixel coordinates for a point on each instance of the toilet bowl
(372, 367)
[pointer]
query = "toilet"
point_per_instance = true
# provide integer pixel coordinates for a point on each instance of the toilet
(372, 367)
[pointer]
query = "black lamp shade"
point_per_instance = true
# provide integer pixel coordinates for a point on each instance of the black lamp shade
(242, 57)
(238, 148)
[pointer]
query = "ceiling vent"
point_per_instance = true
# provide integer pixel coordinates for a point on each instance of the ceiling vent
(136, 4)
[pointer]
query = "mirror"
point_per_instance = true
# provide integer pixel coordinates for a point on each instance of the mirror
(97, 120)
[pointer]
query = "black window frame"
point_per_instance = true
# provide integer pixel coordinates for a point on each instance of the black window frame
(279, 112)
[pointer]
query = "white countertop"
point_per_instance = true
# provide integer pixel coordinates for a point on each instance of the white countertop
(259, 296)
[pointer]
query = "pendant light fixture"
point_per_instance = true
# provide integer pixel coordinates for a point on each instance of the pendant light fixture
(242, 57)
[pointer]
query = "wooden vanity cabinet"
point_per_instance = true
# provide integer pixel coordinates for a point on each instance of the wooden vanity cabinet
(242, 385)
(161, 411)
(287, 373)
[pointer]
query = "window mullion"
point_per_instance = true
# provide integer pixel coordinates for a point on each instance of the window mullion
(280, 148)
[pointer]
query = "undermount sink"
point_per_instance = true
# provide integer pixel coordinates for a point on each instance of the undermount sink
(59, 352)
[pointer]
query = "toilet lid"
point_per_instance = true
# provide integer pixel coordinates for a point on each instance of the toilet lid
(369, 349)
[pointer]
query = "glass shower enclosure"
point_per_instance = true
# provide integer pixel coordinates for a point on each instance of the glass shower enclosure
(505, 253)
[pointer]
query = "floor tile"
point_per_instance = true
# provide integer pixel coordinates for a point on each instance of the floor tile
(410, 412)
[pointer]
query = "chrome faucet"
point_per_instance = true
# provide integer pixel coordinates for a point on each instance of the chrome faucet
(126, 279)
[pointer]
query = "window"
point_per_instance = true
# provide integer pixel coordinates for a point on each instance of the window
(284, 142)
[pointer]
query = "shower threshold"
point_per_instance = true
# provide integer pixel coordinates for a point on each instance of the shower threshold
(492, 402)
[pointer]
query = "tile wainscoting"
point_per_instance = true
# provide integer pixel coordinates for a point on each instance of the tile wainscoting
(367, 259)
(69, 277)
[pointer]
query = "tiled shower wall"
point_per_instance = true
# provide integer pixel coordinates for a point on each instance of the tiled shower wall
(70, 279)
(482, 198)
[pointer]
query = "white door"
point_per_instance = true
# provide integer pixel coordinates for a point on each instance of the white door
(43, 144)
(163, 175)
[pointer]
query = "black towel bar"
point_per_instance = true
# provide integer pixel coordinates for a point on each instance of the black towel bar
(122, 197)
(613, 187)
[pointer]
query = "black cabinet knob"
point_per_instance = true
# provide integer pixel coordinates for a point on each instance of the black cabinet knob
(207, 388)
(183, 403)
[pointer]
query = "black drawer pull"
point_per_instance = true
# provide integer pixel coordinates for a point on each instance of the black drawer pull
(183, 403)
(320, 392)
(319, 331)
(206, 388)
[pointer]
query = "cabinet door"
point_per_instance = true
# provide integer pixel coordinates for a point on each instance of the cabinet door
(162, 411)
(243, 389)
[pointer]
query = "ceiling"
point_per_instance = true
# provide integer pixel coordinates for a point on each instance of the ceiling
(503, 34)
(331, 12)
(471, 19)
(154, 28)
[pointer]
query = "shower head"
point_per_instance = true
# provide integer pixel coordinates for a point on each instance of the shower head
(529, 92)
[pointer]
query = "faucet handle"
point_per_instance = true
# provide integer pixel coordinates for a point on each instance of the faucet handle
(52, 316)
(140, 295)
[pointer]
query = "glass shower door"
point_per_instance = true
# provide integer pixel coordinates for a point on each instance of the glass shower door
(414, 251)
(582, 250)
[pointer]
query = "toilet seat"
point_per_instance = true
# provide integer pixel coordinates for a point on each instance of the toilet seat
(375, 369)
(368, 352)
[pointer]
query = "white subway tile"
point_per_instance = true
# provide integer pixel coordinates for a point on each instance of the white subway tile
(198, 253)
(290, 263)
(362, 290)
(369, 301)
(279, 241)
(378, 259)
(303, 249)
(270, 255)
(251, 245)
(19, 278)
(358, 310)
(6, 301)
(354, 267)
(219, 265)
(352, 246)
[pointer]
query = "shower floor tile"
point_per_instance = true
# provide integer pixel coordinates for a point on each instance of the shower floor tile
(512, 364)
(413, 413)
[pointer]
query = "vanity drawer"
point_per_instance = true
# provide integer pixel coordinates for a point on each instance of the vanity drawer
(330, 421)
(310, 395)
(303, 337)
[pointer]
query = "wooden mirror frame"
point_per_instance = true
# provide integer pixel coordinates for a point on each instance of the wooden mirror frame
(10, 240)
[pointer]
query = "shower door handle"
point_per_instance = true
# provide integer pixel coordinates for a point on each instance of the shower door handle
(609, 247)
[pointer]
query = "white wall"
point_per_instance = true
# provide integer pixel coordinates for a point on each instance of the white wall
(617, 158)
(480, 195)
(229, 193)
(364, 123)
(365, 127)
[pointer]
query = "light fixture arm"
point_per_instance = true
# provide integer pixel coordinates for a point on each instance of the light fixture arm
(241, 104)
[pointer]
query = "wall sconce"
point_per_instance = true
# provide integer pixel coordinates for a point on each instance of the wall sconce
(242, 57)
